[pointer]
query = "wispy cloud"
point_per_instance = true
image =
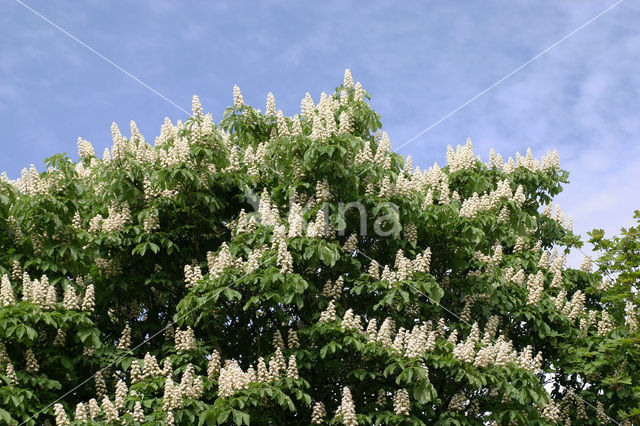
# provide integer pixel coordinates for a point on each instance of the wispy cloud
(418, 61)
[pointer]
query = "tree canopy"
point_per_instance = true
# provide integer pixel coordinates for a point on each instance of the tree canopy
(294, 270)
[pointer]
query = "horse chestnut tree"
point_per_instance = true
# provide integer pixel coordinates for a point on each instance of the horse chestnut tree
(293, 270)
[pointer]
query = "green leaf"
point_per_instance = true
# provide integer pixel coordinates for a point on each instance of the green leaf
(422, 392)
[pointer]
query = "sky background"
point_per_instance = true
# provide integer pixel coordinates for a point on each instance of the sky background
(419, 61)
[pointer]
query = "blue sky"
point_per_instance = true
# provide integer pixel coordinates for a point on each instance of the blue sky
(419, 61)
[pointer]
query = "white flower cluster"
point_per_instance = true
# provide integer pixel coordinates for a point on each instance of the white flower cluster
(412, 344)
(192, 274)
(238, 100)
(16, 270)
(401, 403)
(115, 220)
(329, 314)
(405, 267)
(587, 265)
(253, 159)
(167, 368)
(490, 329)
(151, 223)
(218, 263)
(495, 160)
(196, 108)
(269, 215)
(345, 121)
(411, 233)
(324, 122)
(282, 126)
(528, 362)
(255, 255)
(318, 228)
(385, 333)
(295, 221)
(605, 284)
(172, 398)
(284, 258)
(351, 245)
(43, 294)
(307, 107)
(572, 308)
(278, 341)
(89, 301)
(489, 201)
(31, 183)
(95, 223)
(403, 187)
(520, 244)
(458, 401)
(31, 363)
(213, 366)
(152, 191)
(119, 143)
(120, 394)
(382, 156)
(85, 149)
(535, 286)
(93, 409)
(351, 321)
(557, 215)
(318, 413)
(631, 317)
(348, 79)
(150, 368)
(292, 340)
(493, 260)
(499, 353)
(374, 270)
(61, 416)
(323, 192)
(270, 109)
(551, 412)
(292, 368)
(7, 297)
(100, 384)
(232, 378)
(347, 408)
(465, 350)
(125, 339)
(333, 290)
(605, 325)
(138, 413)
(4, 356)
(174, 154)
(135, 372)
(365, 155)
(81, 414)
(11, 374)
(244, 224)
(224, 259)
(191, 385)
(185, 340)
(463, 157)
(550, 160)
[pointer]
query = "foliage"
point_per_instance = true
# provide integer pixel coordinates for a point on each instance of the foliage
(238, 242)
